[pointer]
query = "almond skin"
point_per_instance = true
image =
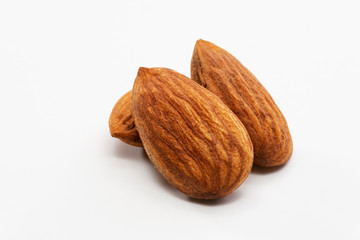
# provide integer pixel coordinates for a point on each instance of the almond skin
(121, 123)
(194, 140)
(221, 73)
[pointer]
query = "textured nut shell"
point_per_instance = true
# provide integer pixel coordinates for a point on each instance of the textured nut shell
(121, 123)
(193, 139)
(221, 73)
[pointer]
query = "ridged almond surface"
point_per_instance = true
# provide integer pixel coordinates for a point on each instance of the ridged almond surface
(121, 123)
(221, 73)
(195, 141)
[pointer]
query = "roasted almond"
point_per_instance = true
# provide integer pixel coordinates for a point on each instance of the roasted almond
(122, 124)
(195, 141)
(221, 73)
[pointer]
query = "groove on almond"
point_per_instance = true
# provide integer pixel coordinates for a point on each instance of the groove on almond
(195, 141)
(224, 75)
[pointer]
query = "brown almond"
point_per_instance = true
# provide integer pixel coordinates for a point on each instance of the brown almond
(221, 73)
(121, 123)
(195, 141)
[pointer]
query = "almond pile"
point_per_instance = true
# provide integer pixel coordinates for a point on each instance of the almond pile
(203, 134)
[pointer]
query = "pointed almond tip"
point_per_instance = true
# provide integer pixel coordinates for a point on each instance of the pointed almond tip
(143, 69)
(203, 44)
(199, 42)
(141, 73)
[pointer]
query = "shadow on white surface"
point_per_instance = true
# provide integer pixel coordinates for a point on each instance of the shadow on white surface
(257, 170)
(233, 197)
(125, 151)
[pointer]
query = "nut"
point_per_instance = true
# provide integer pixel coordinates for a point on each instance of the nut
(195, 141)
(121, 123)
(221, 73)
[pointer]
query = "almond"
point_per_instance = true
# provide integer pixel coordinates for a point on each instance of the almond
(122, 124)
(221, 73)
(194, 140)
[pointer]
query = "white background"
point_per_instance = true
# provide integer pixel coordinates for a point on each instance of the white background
(64, 64)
